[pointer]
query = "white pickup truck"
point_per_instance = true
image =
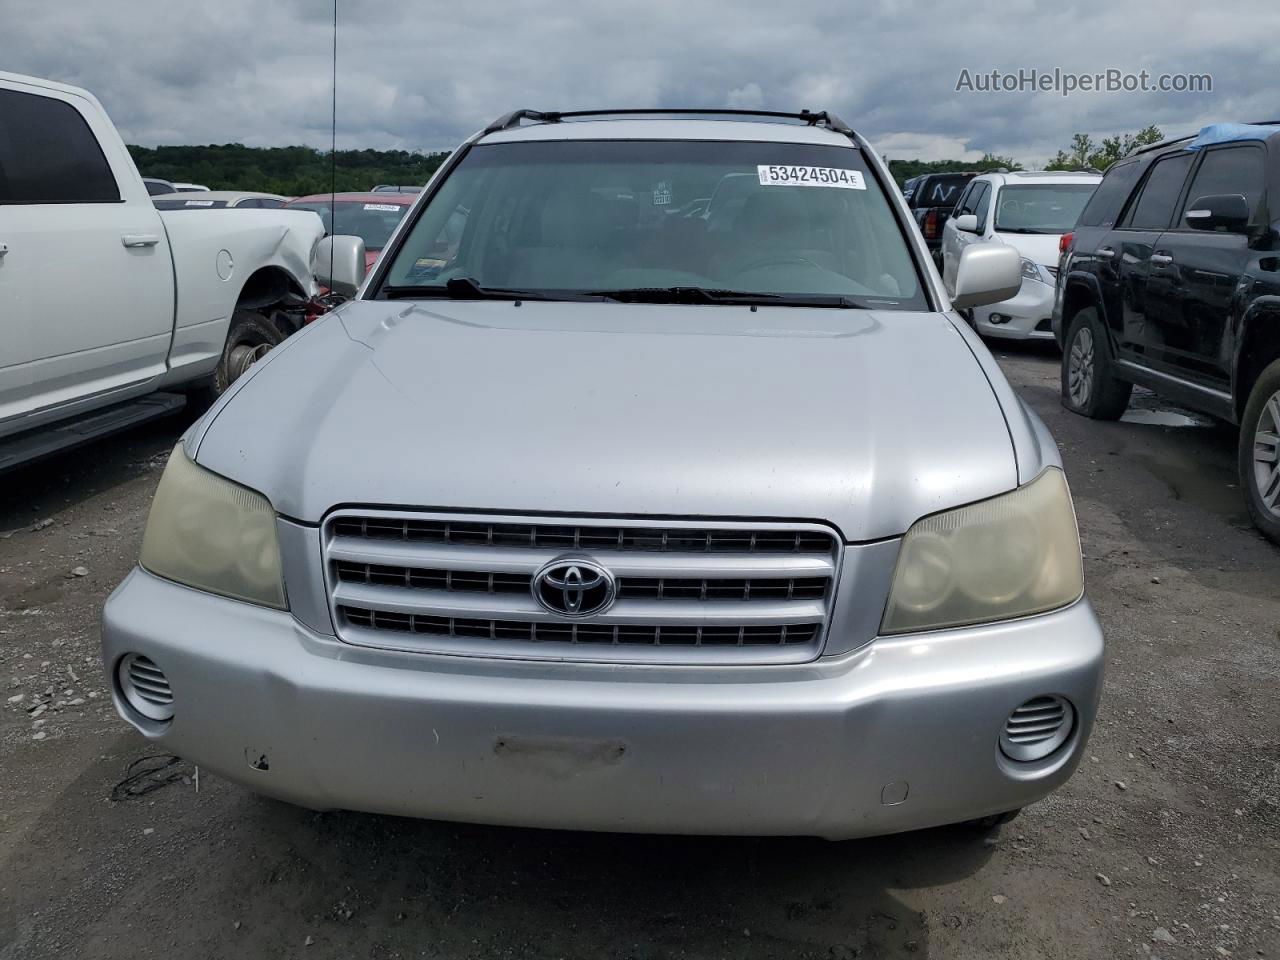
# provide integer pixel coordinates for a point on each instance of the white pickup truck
(108, 305)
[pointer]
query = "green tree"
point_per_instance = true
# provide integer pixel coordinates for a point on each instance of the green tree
(291, 171)
(1085, 153)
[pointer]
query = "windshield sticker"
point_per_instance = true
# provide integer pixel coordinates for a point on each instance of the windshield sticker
(385, 207)
(787, 176)
(662, 193)
(199, 203)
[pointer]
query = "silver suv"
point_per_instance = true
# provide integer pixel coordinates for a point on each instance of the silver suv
(650, 483)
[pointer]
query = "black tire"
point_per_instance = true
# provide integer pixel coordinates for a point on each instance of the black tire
(1089, 387)
(1259, 430)
(250, 338)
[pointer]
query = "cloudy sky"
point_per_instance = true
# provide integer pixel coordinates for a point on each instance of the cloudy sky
(422, 76)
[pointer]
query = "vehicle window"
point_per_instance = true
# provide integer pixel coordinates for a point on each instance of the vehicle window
(1240, 170)
(941, 191)
(1042, 207)
(577, 217)
(157, 189)
(1154, 207)
(1103, 208)
(371, 221)
(270, 203)
(983, 206)
(965, 204)
(251, 203)
(48, 154)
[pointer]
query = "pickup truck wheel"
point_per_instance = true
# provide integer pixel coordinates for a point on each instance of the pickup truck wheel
(250, 338)
(1089, 387)
(1260, 452)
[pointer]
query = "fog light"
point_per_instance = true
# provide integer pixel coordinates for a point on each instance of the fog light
(145, 687)
(999, 318)
(1037, 728)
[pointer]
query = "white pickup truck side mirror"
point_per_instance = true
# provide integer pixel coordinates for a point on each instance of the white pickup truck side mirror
(968, 222)
(339, 264)
(987, 273)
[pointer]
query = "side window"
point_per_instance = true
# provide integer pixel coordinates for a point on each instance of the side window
(48, 154)
(1108, 200)
(966, 203)
(251, 203)
(1155, 204)
(1239, 170)
(983, 207)
(270, 203)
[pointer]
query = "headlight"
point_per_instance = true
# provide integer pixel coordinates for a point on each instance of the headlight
(1031, 271)
(209, 533)
(1011, 556)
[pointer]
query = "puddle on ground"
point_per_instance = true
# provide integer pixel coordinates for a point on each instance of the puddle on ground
(1164, 418)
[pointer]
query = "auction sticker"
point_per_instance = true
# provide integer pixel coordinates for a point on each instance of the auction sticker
(789, 176)
(384, 207)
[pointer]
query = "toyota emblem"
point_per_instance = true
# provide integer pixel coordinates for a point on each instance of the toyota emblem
(574, 588)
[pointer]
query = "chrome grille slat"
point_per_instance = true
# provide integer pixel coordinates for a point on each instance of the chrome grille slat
(691, 592)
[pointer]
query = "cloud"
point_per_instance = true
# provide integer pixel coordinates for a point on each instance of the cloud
(422, 77)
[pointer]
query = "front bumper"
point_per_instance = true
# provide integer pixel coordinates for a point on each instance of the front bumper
(1029, 309)
(826, 748)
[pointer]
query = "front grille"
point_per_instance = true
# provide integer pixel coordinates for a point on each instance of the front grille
(149, 682)
(1053, 271)
(731, 593)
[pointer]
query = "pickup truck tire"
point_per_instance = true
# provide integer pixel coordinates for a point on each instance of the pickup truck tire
(1260, 450)
(1089, 387)
(250, 338)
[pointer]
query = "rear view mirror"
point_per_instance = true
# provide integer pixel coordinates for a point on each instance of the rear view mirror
(339, 264)
(1227, 211)
(987, 273)
(968, 222)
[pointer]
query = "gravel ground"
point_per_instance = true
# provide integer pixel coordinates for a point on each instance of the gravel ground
(1166, 843)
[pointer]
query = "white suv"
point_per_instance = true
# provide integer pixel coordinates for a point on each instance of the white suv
(1030, 212)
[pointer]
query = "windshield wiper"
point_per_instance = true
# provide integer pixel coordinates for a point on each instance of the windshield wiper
(460, 288)
(697, 295)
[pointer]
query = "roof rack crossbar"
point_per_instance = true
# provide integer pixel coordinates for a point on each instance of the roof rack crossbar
(817, 118)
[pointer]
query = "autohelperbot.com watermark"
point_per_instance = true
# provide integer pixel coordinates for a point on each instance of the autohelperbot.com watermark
(1065, 82)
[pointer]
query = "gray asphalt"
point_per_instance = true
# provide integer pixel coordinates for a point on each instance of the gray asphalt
(1166, 843)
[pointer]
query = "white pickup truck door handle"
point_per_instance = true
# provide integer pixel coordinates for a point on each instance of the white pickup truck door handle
(1161, 259)
(4, 248)
(140, 239)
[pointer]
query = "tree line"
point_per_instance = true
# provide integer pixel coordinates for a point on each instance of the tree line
(297, 171)
(290, 171)
(1083, 154)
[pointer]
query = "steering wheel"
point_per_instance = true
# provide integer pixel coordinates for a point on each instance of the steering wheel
(776, 261)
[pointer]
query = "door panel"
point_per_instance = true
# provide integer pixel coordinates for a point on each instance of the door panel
(1195, 273)
(1125, 257)
(87, 282)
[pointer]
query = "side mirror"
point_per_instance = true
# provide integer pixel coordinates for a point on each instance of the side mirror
(339, 264)
(987, 273)
(968, 222)
(1227, 210)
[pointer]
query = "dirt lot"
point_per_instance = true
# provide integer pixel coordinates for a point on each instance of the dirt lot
(1166, 843)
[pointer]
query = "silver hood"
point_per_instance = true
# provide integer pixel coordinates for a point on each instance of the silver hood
(864, 419)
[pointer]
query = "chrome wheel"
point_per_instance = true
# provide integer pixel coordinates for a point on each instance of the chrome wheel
(1080, 367)
(1266, 454)
(243, 356)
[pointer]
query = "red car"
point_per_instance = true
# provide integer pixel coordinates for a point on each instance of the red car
(370, 216)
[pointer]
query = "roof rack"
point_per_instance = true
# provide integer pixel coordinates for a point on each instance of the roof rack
(1162, 144)
(820, 118)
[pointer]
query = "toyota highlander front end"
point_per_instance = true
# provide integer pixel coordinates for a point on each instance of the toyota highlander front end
(650, 484)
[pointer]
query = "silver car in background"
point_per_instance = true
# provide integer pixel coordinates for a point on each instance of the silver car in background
(604, 506)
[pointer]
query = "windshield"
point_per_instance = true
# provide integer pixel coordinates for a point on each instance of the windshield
(585, 217)
(1042, 208)
(371, 221)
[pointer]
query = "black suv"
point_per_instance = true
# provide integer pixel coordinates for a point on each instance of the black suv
(932, 198)
(1171, 279)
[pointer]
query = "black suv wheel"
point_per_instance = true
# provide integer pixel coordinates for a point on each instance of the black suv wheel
(1260, 452)
(1089, 388)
